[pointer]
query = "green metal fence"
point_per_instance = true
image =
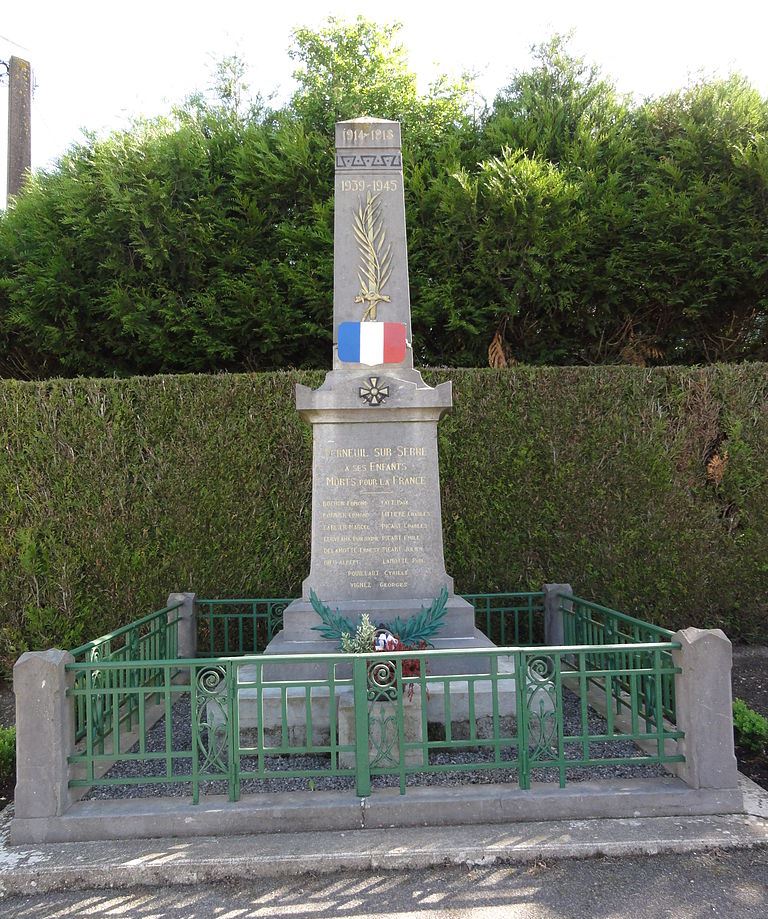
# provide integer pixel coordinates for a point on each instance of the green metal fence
(238, 626)
(108, 701)
(363, 716)
(510, 618)
(230, 718)
(587, 623)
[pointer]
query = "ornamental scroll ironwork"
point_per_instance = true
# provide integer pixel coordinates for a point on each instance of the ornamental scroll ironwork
(383, 693)
(382, 681)
(275, 619)
(541, 709)
(212, 720)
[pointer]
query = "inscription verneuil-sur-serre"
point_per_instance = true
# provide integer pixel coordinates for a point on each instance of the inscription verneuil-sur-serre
(373, 532)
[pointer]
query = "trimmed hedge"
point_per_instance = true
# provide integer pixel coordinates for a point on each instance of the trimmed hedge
(646, 489)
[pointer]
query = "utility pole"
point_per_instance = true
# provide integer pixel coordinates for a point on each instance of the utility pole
(19, 123)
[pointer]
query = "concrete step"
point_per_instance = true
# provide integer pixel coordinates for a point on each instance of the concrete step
(37, 868)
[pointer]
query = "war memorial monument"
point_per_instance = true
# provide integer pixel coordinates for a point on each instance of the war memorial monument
(572, 690)
(377, 542)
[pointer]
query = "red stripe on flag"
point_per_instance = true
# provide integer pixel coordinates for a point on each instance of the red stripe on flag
(394, 342)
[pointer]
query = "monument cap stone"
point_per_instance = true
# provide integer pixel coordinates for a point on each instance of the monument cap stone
(366, 133)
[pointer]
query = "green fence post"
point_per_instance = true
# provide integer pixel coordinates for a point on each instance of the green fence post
(193, 675)
(233, 726)
(360, 696)
(521, 693)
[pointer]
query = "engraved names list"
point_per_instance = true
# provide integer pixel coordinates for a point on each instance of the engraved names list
(374, 522)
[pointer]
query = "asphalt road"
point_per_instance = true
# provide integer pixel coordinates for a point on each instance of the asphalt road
(727, 885)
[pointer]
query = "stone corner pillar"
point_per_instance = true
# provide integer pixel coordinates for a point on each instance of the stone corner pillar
(704, 708)
(187, 626)
(45, 733)
(554, 628)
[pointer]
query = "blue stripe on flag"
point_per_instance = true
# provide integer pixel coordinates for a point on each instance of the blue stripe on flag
(349, 342)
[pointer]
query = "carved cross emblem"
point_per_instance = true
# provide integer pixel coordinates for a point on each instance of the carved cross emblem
(374, 393)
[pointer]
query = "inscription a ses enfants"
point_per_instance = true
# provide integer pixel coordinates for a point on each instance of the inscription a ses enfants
(365, 466)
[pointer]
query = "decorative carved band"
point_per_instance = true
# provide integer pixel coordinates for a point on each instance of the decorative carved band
(369, 160)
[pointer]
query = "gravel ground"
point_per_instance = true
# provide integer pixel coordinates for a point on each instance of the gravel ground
(182, 740)
(750, 676)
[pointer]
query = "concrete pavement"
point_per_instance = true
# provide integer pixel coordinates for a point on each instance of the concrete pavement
(715, 884)
(172, 861)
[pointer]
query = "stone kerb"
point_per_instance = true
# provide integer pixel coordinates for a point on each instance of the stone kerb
(44, 733)
(704, 708)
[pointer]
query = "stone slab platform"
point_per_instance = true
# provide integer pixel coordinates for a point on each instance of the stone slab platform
(435, 806)
(35, 868)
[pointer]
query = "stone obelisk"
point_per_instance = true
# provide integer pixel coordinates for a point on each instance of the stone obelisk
(377, 542)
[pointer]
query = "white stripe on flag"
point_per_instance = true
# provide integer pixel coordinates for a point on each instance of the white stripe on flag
(371, 343)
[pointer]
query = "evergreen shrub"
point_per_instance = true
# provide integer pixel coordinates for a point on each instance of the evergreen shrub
(645, 489)
(7, 753)
(750, 727)
(561, 224)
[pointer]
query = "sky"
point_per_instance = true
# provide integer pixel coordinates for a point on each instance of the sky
(97, 64)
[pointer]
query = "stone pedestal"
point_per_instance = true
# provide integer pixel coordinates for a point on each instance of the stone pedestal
(704, 708)
(377, 542)
(376, 528)
(44, 733)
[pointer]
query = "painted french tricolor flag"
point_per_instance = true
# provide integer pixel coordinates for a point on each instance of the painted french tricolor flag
(372, 343)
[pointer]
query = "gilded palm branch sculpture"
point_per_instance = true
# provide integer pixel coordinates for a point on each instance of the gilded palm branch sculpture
(375, 256)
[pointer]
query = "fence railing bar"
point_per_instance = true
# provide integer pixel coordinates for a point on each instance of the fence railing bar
(612, 613)
(123, 630)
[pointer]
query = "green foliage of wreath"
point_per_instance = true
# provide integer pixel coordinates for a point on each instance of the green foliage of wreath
(334, 624)
(424, 625)
(421, 627)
